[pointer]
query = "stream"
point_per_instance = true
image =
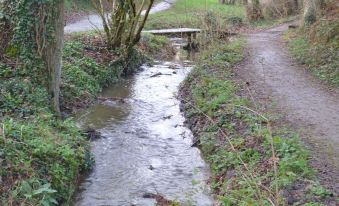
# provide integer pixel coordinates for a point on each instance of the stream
(145, 146)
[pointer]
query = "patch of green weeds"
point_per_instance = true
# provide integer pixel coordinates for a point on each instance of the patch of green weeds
(293, 160)
(78, 5)
(318, 190)
(87, 70)
(41, 160)
(21, 97)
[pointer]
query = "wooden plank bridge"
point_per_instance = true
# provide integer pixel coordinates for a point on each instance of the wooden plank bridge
(189, 33)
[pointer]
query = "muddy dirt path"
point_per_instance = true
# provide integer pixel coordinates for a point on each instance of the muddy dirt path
(309, 106)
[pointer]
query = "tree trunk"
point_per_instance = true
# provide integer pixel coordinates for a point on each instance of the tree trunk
(310, 12)
(53, 57)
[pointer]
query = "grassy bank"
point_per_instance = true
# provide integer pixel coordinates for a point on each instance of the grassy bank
(317, 48)
(196, 13)
(89, 66)
(254, 159)
(42, 157)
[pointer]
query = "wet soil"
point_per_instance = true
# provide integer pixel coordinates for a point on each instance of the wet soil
(309, 106)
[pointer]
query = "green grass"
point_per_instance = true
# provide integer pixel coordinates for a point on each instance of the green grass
(243, 174)
(192, 13)
(83, 77)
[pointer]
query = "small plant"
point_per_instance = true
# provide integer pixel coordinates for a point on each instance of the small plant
(320, 191)
(33, 189)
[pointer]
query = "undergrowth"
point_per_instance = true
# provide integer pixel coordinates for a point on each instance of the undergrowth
(317, 48)
(253, 161)
(42, 157)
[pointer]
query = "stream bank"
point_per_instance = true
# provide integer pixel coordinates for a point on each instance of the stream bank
(55, 152)
(89, 66)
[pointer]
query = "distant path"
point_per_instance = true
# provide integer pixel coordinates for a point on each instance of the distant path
(310, 106)
(92, 22)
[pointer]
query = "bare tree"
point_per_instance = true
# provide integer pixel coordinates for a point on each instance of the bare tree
(123, 21)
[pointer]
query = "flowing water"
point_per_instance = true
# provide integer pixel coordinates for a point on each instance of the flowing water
(146, 147)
